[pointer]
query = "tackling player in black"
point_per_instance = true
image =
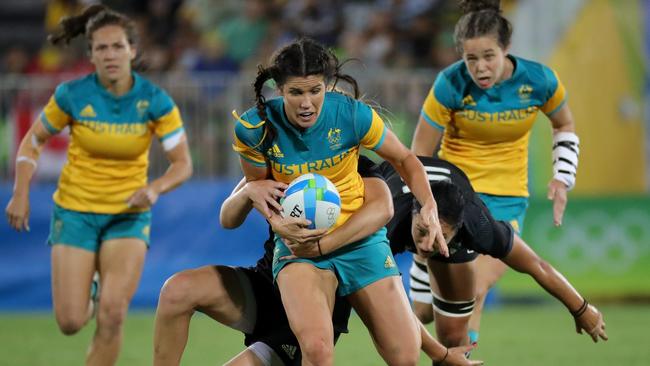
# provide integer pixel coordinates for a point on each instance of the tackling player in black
(470, 229)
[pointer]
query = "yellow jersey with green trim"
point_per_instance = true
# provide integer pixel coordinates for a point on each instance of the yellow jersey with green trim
(330, 147)
(110, 137)
(486, 132)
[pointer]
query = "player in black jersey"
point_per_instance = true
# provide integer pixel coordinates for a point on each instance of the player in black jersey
(470, 229)
(246, 299)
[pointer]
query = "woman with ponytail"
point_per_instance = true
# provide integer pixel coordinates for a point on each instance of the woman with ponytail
(309, 128)
(481, 110)
(101, 217)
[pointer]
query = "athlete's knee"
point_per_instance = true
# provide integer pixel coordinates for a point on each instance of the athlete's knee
(452, 336)
(71, 322)
(316, 348)
(178, 294)
(111, 315)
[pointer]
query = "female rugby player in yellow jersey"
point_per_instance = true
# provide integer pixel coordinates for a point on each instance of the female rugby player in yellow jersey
(309, 129)
(102, 213)
(481, 110)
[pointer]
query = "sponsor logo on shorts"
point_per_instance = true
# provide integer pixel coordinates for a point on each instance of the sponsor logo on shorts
(290, 350)
(388, 263)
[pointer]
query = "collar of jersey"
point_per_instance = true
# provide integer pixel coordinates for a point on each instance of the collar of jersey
(137, 83)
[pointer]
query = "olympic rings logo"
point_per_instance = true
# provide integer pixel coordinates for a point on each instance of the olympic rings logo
(600, 240)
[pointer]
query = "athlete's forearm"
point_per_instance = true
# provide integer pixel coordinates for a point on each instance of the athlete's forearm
(523, 259)
(180, 169)
(236, 207)
(434, 349)
(425, 139)
(27, 157)
(412, 172)
(376, 211)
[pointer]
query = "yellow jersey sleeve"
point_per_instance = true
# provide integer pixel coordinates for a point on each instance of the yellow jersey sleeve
(556, 93)
(248, 138)
(166, 118)
(56, 114)
(374, 136)
(437, 107)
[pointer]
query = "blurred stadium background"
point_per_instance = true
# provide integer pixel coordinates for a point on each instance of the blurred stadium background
(204, 53)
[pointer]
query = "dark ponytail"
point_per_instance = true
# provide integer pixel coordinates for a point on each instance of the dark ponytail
(92, 18)
(482, 18)
(263, 75)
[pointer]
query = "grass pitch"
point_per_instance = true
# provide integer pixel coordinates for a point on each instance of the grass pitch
(511, 335)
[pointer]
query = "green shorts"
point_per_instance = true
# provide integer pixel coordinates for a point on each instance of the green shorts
(88, 230)
(356, 265)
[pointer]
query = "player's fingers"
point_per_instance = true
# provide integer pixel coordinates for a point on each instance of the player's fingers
(476, 362)
(466, 348)
(558, 213)
(275, 204)
(442, 244)
(550, 194)
(15, 223)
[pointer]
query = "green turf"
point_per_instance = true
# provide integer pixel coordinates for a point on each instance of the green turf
(541, 335)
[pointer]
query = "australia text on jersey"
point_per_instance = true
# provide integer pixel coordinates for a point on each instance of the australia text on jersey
(505, 116)
(135, 128)
(311, 166)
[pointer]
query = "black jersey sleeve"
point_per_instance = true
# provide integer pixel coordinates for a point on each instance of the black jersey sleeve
(368, 169)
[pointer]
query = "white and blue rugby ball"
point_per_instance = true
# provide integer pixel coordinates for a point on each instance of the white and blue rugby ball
(313, 197)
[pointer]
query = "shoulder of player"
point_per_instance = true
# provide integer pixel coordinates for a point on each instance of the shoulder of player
(452, 82)
(78, 85)
(533, 72)
(336, 100)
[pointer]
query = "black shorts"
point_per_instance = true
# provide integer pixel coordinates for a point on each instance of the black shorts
(272, 326)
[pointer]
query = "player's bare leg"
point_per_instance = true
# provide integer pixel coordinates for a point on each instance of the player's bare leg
(213, 290)
(488, 271)
(382, 305)
(454, 289)
(308, 298)
(120, 268)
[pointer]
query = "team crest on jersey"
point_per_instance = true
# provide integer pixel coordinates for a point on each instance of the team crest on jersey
(334, 138)
(142, 106)
(88, 112)
(468, 100)
(525, 91)
(275, 151)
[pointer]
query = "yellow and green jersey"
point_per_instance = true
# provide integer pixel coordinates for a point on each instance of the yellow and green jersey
(486, 132)
(330, 147)
(110, 137)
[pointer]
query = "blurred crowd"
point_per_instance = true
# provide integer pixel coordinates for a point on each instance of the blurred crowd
(235, 35)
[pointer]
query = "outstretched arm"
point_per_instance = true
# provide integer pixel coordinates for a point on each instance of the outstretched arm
(587, 317)
(441, 355)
